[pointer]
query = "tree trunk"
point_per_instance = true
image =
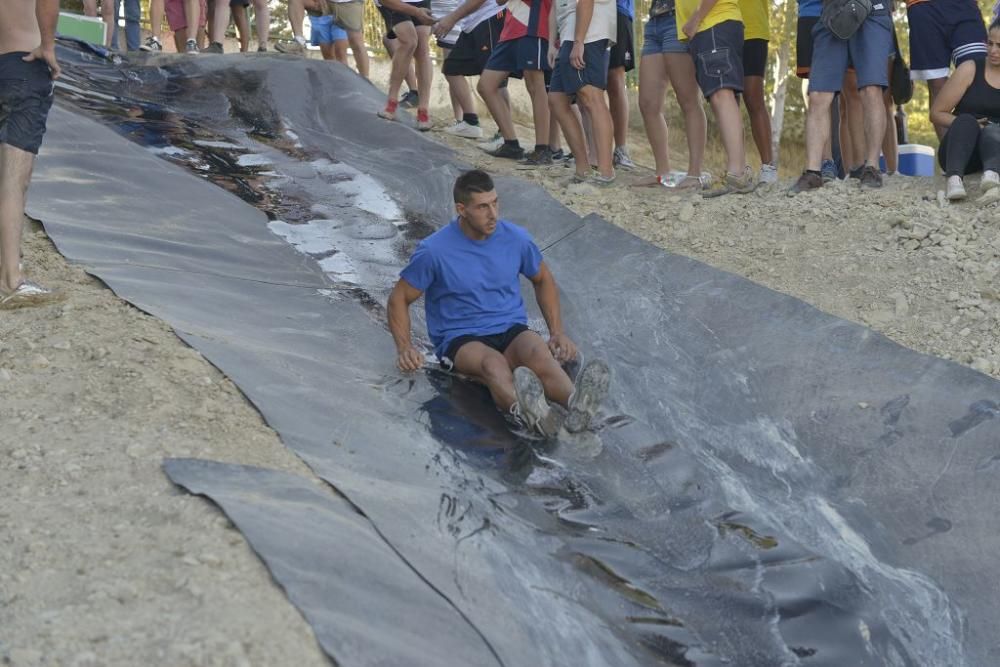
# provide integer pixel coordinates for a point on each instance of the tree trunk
(780, 73)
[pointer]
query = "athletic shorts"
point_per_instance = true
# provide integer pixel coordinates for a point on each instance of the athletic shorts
(177, 19)
(568, 79)
(943, 31)
(473, 49)
(868, 51)
(25, 100)
(718, 57)
(660, 36)
(516, 55)
(325, 31)
(623, 50)
(395, 18)
(754, 57)
(498, 341)
(239, 3)
(804, 45)
(389, 32)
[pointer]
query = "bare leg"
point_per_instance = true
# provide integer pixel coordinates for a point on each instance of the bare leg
(262, 17)
(219, 21)
(356, 39)
(874, 112)
(730, 120)
(855, 122)
(571, 129)
(817, 128)
(406, 45)
(156, 18)
(108, 16)
(534, 81)
(680, 68)
(760, 121)
(424, 65)
(326, 50)
(592, 99)
(15, 174)
(618, 105)
(486, 365)
(90, 7)
(497, 102)
(653, 80)
(462, 94)
(340, 52)
(554, 140)
(296, 16)
(529, 349)
(934, 87)
(411, 75)
(243, 26)
(192, 15)
(890, 144)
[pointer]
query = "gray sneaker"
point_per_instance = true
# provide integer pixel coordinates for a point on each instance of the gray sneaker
(290, 46)
(191, 46)
(151, 44)
(532, 406)
(622, 159)
(828, 170)
(591, 389)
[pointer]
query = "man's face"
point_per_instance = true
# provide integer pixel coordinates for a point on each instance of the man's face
(481, 212)
(993, 47)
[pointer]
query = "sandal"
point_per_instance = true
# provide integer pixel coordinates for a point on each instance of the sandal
(27, 294)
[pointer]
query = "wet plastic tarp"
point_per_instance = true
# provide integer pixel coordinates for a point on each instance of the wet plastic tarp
(776, 486)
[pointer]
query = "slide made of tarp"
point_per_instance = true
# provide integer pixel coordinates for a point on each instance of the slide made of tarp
(774, 486)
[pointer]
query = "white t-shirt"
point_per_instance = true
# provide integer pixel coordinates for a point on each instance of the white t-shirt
(603, 23)
(440, 9)
(489, 8)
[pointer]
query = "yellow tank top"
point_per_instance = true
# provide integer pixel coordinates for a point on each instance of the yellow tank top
(756, 21)
(724, 10)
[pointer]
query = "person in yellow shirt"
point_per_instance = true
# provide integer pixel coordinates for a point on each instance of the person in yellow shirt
(756, 35)
(714, 31)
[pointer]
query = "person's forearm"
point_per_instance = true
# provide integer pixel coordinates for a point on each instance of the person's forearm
(942, 118)
(47, 14)
(553, 28)
(704, 8)
(584, 14)
(399, 323)
(547, 296)
(466, 8)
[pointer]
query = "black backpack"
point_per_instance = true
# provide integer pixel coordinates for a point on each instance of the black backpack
(900, 84)
(843, 17)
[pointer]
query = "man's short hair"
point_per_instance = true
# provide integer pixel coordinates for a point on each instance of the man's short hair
(473, 181)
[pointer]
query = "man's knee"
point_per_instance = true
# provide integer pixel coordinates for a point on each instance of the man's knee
(819, 101)
(494, 368)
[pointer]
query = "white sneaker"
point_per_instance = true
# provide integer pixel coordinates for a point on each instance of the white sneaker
(956, 188)
(191, 46)
(463, 129)
(151, 44)
(768, 174)
(491, 144)
(991, 179)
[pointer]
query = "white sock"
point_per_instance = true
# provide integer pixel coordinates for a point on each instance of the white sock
(300, 39)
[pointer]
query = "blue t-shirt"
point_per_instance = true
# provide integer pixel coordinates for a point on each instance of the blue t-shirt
(627, 7)
(810, 8)
(471, 287)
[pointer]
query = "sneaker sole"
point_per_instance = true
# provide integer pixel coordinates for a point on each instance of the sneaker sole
(535, 409)
(591, 389)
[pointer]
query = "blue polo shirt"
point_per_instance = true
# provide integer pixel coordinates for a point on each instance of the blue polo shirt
(472, 287)
(627, 7)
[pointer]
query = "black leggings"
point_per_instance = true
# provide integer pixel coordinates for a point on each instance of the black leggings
(968, 148)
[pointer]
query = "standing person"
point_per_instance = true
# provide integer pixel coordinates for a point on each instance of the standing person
(219, 13)
(350, 15)
(666, 59)
(180, 15)
(411, 20)
(714, 30)
(757, 24)
(942, 31)
(296, 17)
(808, 17)
(621, 61)
(238, 9)
(468, 274)
(523, 50)
(410, 98)
(133, 15)
(580, 70)
(28, 56)
(868, 48)
(968, 107)
(330, 38)
(459, 93)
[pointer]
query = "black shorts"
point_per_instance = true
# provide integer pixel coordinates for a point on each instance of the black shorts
(623, 52)
(754, 57)
(239, 3)
(392, 19)
(718, 58)
(473, 49)
(25, 100)
(389, 32)
(498, 341)
(804, 45)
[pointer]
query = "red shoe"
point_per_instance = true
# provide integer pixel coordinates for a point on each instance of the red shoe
(423, 120)
(389, 113)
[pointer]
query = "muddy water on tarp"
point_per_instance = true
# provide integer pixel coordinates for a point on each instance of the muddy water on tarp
(668, 562)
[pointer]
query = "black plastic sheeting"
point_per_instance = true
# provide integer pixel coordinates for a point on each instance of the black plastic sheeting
(776, 486)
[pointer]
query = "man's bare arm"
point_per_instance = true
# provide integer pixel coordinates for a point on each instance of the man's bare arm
(447, 22)
(47, 15)
(398, 310)
(547, 296)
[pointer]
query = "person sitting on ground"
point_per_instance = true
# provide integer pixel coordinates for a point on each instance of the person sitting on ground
(868, 49)
(468, 274)
(714, 30)
(665, 58)
(27, 56)
(411, 20)
(522, 51)
(580, 69)
(968, 107)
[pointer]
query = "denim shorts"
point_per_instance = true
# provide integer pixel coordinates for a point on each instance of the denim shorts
(568, 79)
(660, 36)
(718, 57)
(867, 51)
(25, 100)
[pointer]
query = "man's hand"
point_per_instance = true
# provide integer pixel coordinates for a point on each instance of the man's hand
(691, 27)
(576, 55)
(424, 17)
(562, 348)
(444, 26)
(553, 54)
(410, 359)
(49, 56)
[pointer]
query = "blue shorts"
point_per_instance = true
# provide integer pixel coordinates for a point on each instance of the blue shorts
(718, 58)
(660, 36)
(25, 100)
(325, 31)
(568, 79)
(517, 55)
(868, 51)
(941, 32)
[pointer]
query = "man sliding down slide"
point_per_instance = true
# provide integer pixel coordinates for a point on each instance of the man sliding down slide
(468, 273)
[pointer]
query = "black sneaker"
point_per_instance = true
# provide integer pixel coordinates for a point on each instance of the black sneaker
(809, 180)
(509, 151)
(537, 158)
(558, 155)
(856, 172)
(591, 389)
(871, 178)
(214, 47)
(409, 100)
